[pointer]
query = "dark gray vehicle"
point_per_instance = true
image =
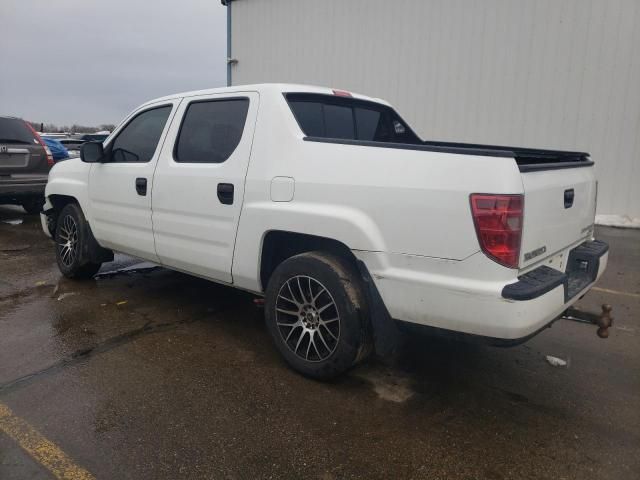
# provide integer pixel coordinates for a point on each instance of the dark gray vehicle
(24, 165)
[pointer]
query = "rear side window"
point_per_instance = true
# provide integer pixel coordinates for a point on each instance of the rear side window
(211, 130)
(13, 130)
(138, 140)
(329, 116)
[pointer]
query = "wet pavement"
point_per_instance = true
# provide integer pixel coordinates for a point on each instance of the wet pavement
(152, 374)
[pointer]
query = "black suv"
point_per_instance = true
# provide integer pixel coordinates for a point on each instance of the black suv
(25, 162)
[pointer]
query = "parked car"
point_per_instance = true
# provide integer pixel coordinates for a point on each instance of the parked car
(25, 162)
(71, 143)
(94, 137)
(57, 149)
(74, 143)
(329, 205)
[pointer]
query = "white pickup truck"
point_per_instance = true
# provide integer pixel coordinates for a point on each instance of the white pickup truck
(329, 205)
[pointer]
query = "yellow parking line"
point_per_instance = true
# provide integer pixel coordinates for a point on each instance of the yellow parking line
(616, 292)
(42, 450)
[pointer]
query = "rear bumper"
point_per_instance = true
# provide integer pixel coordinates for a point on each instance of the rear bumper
(23, 187)
(582, 270)
(467, 296)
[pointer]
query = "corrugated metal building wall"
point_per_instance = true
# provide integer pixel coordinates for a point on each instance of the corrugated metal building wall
(543, 73)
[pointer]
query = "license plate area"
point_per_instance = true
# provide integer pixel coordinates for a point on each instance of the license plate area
(583, 265)
(13, 160)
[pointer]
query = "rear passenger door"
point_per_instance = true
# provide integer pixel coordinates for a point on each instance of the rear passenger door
(198, 186)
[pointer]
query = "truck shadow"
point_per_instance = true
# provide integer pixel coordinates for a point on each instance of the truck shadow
(427, 372)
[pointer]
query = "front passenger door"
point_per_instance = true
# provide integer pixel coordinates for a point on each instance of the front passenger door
(120, 187)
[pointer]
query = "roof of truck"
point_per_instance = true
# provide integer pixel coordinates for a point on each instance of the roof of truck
(267, 88)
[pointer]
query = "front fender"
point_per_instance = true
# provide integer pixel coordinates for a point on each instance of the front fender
(70, 178)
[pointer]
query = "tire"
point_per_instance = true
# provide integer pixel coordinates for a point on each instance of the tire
(316, 313)
(33, 205)
(72, 244)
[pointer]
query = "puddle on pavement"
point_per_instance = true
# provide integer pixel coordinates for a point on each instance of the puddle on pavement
(388, 383)
(137, 267)
(14, 248)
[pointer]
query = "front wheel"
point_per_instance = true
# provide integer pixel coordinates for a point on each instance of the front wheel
(72, 243)
(316, 313)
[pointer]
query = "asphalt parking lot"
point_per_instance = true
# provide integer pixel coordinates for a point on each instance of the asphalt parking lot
(151, 374)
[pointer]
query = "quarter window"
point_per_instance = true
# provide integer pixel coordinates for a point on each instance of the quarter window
(368, 123)
(310, 116)
(211, 130)
(137, 141)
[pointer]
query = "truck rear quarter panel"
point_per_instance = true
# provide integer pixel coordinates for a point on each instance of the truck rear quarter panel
(376, 199)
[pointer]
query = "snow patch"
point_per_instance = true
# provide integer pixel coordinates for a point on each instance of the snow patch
(555, 361)
(15, 221)
(618, 221)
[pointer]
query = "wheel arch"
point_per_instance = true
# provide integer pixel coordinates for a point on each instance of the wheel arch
(279, 245)
(384, 330)
(59, 201)
(53, 206)
(93, 251)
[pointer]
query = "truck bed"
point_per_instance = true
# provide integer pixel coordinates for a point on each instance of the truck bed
(527, 159)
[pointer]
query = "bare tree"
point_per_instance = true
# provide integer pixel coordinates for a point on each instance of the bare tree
(75, 128)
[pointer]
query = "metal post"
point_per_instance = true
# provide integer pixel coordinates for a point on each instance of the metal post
(229, 62)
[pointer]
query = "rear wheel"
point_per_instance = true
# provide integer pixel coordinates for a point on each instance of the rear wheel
(72, 243)
(32, 205)
(316, 314)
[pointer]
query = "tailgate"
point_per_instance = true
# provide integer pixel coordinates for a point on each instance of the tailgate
(22, 159)
(559, 211)
(14, 157)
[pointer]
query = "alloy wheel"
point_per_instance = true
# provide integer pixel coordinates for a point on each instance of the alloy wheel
(307, 318)
(68, 240)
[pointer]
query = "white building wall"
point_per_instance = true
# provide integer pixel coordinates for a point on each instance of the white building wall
(559, 74)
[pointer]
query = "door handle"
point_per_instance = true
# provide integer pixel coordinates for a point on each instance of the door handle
(225, 193)
(568, 197)
(141, 186)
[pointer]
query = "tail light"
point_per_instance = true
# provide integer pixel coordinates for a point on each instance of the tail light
(498, 222)
(50, 161)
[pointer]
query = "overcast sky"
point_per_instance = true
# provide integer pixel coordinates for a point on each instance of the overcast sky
(91, 62)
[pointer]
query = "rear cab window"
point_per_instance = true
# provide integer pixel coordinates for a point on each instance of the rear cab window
(347, 118)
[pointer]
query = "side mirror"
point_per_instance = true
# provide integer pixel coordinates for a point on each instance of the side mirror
(91, 152)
